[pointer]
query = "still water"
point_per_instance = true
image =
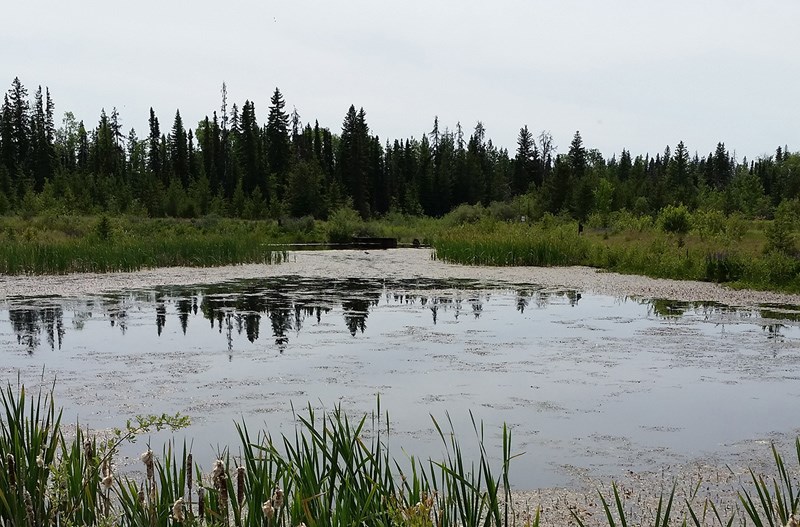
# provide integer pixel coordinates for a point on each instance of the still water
(586, 382)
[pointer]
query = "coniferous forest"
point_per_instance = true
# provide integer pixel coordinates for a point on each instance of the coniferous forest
(230, 164)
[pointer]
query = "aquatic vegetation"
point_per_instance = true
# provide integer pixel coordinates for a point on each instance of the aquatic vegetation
(649, 252)
(332, 471)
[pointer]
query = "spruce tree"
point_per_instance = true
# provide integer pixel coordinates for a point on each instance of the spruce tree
(179, 151)
(154, 160)
(524, 162)
(277, 136)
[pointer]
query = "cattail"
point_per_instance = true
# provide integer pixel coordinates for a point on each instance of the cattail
(240, 486)
(268, 510)
(141, 497)
(108, 480)
(201, 504)
(28, 507)
(189, 473)
(277, 497)
(147, 459)
(177, 510)
(217, 471)
(223, 495)
(40, 461)
(88, 451)
(12, 470)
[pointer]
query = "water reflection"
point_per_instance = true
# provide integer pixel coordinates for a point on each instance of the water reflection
(237, 308)
(29, 323)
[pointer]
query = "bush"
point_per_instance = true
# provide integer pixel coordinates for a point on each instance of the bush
(464, 214)
(780, 233)
(343, 224)
(675, 220)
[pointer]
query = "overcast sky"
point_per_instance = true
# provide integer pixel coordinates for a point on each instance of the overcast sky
(636, 74)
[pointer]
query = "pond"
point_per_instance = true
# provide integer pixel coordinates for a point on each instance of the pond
(586, 382)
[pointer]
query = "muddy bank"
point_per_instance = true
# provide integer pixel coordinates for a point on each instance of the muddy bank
(395, 263)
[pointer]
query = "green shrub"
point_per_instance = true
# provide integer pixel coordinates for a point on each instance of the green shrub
(343, 224)
(675, 220)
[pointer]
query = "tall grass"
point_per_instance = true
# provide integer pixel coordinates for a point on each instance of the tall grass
(131, 255)
(333, 471)
(651, 253)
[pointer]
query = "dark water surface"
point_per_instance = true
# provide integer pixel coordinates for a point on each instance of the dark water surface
(586, 382)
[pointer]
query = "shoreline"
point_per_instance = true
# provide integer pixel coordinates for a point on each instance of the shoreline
(399, 264)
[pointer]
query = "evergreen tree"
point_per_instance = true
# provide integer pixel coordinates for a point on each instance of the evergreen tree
(249, 155)
(679, 177)
(154, 159)
(179, 151)
(577, 157)
(353, 159)
(278, 147)
(16, 128)
(525, 162)
(721, 168)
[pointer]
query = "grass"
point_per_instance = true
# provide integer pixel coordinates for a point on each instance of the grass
(650, 252)
(719, 249)
(333, 471)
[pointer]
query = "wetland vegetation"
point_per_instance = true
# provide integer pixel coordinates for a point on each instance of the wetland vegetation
(334, 470)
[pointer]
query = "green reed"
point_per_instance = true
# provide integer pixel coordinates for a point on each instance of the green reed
(652, 253)
(333, 471)
(130, 255)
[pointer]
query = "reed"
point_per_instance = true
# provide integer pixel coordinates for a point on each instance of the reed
(333, 471)
(649, 252)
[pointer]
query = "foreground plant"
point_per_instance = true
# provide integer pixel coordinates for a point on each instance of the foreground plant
(332, 472)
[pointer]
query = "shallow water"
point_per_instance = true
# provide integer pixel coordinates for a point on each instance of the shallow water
(586, 382)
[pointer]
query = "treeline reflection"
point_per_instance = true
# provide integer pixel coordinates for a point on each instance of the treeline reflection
(240, 308)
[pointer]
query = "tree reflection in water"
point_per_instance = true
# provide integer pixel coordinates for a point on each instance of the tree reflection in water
(237, 308)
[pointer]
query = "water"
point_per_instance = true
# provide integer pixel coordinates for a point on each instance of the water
(585, 382)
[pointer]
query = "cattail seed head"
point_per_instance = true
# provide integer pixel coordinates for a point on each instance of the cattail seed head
(268, 509)
(147, 459)
(12, 470)
(177, 511)
(40, 461)
(28, 507)
(277, 497)
(217, 472)
(201, 504)
(88, 450)
(221, 483)
(189, 472)
(240, 486)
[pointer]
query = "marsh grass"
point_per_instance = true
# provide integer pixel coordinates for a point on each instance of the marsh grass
(649, 252)
(333, 471)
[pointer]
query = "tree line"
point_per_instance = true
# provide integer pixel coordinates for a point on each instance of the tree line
(229, 164)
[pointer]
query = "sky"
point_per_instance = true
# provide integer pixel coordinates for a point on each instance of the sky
(634, 74)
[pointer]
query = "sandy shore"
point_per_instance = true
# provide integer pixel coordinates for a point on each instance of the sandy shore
(397, 264)
(715, 479)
